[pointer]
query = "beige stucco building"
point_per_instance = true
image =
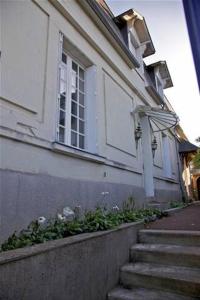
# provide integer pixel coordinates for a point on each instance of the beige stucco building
(75, 98)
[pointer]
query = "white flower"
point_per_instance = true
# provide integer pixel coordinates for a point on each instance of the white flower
(115, 208)
(68, 213)
(41, 220)
(104, 193)
(61, 217)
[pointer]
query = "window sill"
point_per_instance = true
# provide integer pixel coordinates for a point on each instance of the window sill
(73, 152)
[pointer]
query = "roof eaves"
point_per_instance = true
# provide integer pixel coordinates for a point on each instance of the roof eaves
(187, 147)
(154, 94)
(112, 30)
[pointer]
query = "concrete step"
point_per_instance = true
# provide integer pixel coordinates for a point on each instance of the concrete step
(182, 280)
(173, 237)
(121, 293)
(166, 254)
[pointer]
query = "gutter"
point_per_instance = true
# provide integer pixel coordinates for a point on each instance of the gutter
(154, 94)
(95, 11)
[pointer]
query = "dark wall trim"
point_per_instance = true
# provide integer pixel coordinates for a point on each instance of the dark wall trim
(192, 13)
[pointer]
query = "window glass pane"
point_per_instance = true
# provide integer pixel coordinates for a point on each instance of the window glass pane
(81, 98)
(73, 139)
(74, 81)
(74, 66)
(64, 58)
(62, 101)
(74, 123)
(62, 118)
(81, 142)
(74, 108)
(81, 126)
(81, 85)
(62, 87)
(74, 95)
(62, 73)
(61, 135)
(81, 112)
(81, 73)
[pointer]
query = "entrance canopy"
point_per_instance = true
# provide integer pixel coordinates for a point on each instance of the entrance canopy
(159, 119)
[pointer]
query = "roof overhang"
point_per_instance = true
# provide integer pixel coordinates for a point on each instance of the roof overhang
(164, 73)
(105, 25)
(141, 29)
(187, 147)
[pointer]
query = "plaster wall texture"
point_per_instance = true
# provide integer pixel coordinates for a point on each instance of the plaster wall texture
(71, 268)
(53, 181)
(28, 99)
(167, 191)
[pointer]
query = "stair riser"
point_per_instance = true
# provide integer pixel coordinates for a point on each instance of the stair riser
(118, 298)
(169, 239)
(115, 298)
(179, 286)
(165, 258)
(146, 295)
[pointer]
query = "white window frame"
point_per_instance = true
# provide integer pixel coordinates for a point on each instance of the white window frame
(67, 70)
(91, 117)
(167, 163)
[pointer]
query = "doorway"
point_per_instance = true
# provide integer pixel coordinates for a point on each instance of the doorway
(198, 188)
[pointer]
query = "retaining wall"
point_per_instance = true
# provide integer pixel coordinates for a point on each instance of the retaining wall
(82, 267)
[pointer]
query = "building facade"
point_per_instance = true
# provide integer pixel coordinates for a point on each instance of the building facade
(83, 120)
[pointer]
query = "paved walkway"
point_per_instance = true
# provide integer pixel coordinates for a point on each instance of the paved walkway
(186, 219)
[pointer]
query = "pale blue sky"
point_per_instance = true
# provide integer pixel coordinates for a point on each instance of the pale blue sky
(166, 23)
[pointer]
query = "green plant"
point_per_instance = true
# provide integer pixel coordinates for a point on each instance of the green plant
(97, 220)
(196, 160)
(129, 204)
(176, 204)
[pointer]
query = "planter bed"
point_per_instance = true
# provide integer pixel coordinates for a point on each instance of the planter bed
(81, 267)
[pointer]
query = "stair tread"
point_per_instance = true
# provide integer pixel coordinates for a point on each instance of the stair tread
(171, 232)
(143, 294)
(167, 248)
(164, 271)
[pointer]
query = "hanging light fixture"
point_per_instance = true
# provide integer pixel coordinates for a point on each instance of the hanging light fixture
(154, 146)
(138, 133)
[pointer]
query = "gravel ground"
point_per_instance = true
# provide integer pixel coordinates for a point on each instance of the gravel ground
(186, 219)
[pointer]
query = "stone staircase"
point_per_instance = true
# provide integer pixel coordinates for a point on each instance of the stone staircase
(164, 265)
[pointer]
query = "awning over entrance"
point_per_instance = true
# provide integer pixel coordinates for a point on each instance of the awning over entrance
(159, 119)
(187, 147)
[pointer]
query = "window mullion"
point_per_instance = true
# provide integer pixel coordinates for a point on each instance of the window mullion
(78, 107)
(68, 107)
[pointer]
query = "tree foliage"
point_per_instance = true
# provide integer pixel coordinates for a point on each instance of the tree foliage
(196, 160)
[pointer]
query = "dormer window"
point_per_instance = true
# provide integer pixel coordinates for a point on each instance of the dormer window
(134, 46)
(133, 43)
(159, 86)
(157, 79)
(136, 35)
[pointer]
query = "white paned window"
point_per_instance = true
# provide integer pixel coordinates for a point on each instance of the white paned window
(71, 103)
(167, 162)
